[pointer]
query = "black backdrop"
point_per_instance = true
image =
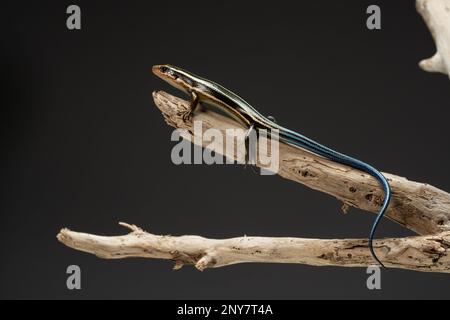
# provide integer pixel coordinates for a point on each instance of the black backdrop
(84, 147)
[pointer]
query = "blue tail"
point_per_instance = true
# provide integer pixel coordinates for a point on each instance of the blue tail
(387, 198)
(301, 141)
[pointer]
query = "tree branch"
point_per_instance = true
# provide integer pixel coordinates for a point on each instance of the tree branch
(419, 207)
(436, 14)
(424, 253)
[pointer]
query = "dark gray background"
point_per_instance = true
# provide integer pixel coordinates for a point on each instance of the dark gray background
(84, 146)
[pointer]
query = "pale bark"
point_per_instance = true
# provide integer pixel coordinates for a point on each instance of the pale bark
(423, 253)
(417, 206)
(436, 14)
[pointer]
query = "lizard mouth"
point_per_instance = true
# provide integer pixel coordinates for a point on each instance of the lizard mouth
(159, 70)
(168, 75)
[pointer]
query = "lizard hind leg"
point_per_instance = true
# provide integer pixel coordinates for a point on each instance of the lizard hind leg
(249, 155)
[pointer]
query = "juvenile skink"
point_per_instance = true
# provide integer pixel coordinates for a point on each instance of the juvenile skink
(203, 90)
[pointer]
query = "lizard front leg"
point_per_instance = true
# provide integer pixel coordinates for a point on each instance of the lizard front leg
(194, 103)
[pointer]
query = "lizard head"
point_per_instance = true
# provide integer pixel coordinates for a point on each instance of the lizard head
(176, 77)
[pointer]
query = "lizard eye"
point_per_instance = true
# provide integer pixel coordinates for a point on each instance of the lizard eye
(163, 69)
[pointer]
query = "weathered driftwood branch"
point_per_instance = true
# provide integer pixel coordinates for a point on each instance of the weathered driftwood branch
(436, 14)
(419, 207)
(424, 253)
